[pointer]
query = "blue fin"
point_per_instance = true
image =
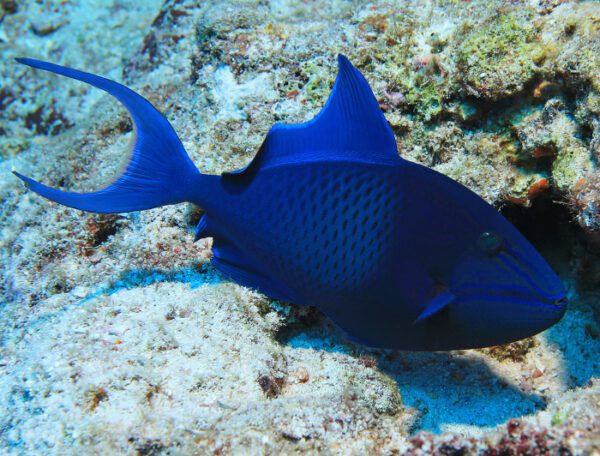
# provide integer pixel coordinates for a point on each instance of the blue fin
(350, 127)
(435, 305)
(232, 262)
(202, 230)
(159, 171)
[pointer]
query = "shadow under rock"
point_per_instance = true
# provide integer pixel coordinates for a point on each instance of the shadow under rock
(549, 226)
(444, 388)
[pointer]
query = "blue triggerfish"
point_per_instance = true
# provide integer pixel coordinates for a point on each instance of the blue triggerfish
(327, 214)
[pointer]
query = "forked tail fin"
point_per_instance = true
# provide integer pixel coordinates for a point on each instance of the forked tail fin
(159, 171)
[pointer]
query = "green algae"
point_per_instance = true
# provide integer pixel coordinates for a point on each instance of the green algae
(552, 132)
(496, 59)
(319, 82)
(559, 417)
(572, 164)
(426, 99)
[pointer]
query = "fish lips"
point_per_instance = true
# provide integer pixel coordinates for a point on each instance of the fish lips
(511, 315)
(477, 319)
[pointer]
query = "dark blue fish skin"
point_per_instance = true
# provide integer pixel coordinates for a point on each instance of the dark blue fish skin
(328, 215)
(370, 247)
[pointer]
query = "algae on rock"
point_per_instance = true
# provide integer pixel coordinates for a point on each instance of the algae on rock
(497, 58)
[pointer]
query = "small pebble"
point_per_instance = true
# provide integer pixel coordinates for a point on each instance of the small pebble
(43, 28)
(302, 375)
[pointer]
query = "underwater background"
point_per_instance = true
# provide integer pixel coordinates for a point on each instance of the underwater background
(118, 336)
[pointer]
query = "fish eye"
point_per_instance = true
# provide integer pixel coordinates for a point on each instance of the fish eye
(489, 243)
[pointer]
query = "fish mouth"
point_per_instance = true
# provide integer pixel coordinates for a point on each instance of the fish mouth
(561, 301)
(543, 310)
(472, 292)
(502, 314)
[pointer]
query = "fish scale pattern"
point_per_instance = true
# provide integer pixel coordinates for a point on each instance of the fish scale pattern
(331, 226)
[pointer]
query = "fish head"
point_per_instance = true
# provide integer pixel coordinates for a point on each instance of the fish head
(491, 286)
(504, 289)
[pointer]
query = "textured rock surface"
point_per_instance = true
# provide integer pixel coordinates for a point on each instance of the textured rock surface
(116, 335)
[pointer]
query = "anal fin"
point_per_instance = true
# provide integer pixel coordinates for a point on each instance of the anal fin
(234, 263)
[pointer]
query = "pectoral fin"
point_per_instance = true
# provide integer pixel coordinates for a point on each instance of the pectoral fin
(438, 303)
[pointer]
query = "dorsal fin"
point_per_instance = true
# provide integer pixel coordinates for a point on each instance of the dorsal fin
(350, 127)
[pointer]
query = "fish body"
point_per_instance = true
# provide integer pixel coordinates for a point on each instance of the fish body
(328, 215)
